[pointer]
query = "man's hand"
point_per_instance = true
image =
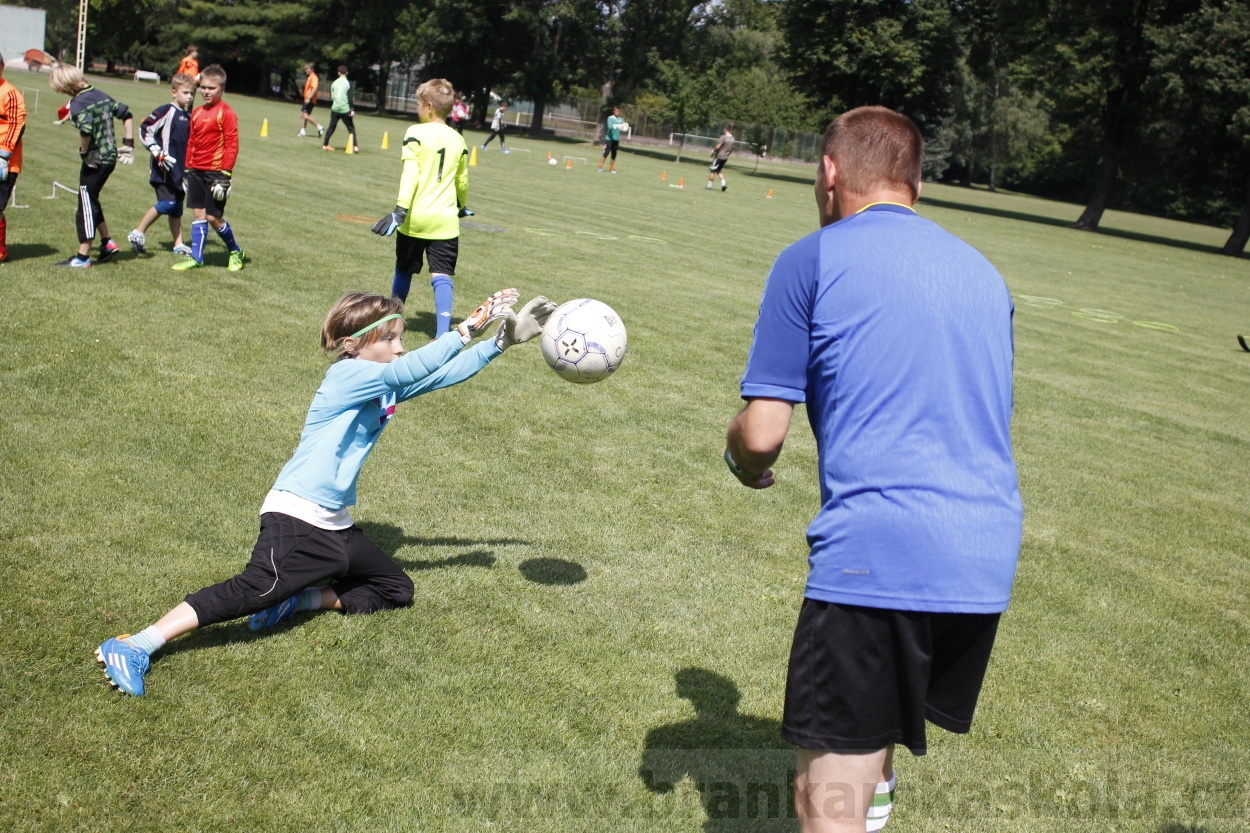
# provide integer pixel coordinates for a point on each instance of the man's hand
(387, 225)
(465, 212)
(221, 186)
(754, 481)
(4, 165)
(126, 153)
(520, 327)
(493, 308)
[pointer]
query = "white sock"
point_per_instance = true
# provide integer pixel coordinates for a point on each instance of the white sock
(149, 639)
(882, 804)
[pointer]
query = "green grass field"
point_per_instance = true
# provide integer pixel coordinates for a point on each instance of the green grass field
(602, 614)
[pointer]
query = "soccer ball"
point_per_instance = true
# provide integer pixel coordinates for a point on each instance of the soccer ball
(552, 161)
(584, 341)
(623, 127)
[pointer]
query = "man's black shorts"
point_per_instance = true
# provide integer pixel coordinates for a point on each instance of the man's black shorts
(862, 678)
(6, 190)
(441, 254)
(308, 106)
(200, 194)
(717, 164)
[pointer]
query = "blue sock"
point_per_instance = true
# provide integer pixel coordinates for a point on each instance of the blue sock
(227, 236)
(400, 285)
(442, 303)
(199, 234)
(149, 640)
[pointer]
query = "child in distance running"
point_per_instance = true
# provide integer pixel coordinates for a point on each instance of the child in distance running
(307, 534)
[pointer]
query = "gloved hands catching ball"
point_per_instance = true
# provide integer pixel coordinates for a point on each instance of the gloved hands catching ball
(493, 308)
(520, 327)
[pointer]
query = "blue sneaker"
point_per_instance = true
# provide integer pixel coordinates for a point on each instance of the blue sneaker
(271, 616)
(124, 664)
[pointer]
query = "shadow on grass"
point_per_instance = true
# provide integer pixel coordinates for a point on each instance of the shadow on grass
(552, 571)
(1008, 214)
(1177, 827)
(743, 770)
(23, 251)
(477, 558)
(389, 538)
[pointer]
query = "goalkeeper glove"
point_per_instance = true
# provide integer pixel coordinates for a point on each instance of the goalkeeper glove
(221, 186)
(126, 153)
(387, 225)
(464, 212)
(493, 308)
(520, 327)
(4, 164)
(162, 158)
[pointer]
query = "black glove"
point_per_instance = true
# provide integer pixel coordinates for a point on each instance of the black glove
(387, 225)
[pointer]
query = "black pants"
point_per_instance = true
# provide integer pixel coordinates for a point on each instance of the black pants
(90, 214)
(335, 118)
(290, 555)
(610, 146)
(493, 134)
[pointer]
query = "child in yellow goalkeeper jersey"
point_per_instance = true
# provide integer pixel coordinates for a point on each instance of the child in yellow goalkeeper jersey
(431, 201)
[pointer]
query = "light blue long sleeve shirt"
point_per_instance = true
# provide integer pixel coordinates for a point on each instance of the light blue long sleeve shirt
(356, 400)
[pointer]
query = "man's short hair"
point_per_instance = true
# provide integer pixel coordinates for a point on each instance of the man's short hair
(309, 65)
(440, 95)
(180, 80)
(342, 70)
(875, 148)
(215, 72)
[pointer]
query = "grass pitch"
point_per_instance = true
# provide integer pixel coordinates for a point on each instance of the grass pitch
(602, 615)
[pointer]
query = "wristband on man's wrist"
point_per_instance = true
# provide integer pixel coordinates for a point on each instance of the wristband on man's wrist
(739, 471)
(128, 142)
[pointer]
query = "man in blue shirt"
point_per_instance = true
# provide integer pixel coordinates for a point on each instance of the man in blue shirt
(898, 338)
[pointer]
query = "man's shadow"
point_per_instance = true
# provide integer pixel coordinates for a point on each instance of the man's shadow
(743, 770)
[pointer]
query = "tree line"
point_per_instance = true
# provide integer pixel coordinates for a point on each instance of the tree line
(1136, 104)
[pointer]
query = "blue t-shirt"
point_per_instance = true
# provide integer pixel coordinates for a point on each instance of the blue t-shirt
(898, 337)
(356, 400)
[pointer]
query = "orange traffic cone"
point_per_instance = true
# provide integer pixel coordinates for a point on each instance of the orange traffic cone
(568, 165)
(681, 182)
(664, 176)
(769, 195)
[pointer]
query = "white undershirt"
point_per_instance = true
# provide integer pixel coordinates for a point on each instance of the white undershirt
(307, 511)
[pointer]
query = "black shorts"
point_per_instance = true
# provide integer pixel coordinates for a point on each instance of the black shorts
(863, 678)
(6, 191)
(169, 193)
(199, 191)
(441, 254)
(308, 107)
(290, 555)
(716, 165)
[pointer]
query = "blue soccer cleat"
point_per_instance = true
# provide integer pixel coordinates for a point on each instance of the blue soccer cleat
(124, 664)
(271, 616)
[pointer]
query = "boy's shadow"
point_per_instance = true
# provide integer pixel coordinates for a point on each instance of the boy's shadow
(24, 251)
(743, 770)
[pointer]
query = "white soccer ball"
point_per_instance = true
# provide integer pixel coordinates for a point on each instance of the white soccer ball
(552, 161)
(623, 127)
(584, 341)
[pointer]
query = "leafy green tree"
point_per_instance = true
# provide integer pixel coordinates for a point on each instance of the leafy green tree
(559, 42)
(1202, 64)
(847, 53)
(689, 95)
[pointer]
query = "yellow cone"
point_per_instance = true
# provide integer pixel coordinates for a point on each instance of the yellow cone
(473, 157)
(351, 143)
(264, 128)
(386, 141)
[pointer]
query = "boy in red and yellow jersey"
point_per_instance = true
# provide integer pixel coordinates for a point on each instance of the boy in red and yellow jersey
(12, 125)
(211, 153)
